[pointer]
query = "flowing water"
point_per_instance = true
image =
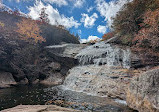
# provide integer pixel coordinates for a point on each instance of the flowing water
(98, 63)
(84, 85)
(103, 53)
(38, 94)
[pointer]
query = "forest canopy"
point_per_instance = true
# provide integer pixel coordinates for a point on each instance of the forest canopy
(137, 24)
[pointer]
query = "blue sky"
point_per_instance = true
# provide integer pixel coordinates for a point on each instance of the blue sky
(89, 18)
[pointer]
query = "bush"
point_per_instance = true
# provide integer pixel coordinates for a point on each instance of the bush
(108, 36)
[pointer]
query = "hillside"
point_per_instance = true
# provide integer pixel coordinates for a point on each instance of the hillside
(23, 57)
(52, 34)
(136, 25)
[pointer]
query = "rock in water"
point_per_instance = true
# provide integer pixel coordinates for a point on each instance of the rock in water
(143, 92)
(103, 53)
(6, 79)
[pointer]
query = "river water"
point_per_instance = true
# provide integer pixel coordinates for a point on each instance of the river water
(81, 87)
(41, 95)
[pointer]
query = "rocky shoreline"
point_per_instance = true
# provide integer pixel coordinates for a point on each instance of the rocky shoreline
(39, 108)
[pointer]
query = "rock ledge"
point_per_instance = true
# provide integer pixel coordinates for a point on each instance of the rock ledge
(39, 108)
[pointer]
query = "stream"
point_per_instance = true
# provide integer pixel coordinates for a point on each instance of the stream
(102, 66)
(41, 95)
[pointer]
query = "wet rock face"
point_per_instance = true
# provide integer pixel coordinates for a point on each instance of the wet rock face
(66, 50)
(143, 92)
(53, 79)
(6, 79)
(103, 53)
(99, 80)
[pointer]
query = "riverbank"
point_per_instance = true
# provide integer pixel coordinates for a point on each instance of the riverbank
(38, 95)
(39, 108)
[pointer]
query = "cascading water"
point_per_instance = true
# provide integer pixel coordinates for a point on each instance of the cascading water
(103, 53)
(98, 63)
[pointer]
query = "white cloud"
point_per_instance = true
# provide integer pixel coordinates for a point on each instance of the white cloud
(1, 3)
(58, 2)
(109, 10)
(19, 0)
(53, 15)
(90, 9)
(79, 3)
(90, 38)
(102, 29)
(89, 21)
(93, 38)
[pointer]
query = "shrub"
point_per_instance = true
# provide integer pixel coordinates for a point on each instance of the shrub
(108, 36)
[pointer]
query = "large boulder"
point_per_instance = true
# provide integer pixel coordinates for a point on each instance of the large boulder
(143, 92)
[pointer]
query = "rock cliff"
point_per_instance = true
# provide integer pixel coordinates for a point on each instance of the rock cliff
(26, 63)
(143, 92)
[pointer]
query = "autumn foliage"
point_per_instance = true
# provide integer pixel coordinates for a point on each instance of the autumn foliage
(137, 24)
(29, 30)
(149, 33)
(108, 35)
(18, 26)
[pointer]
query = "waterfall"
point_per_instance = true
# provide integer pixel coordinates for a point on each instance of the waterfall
(98, 63)
(103, 53)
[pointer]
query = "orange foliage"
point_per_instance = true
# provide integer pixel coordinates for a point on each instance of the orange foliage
(108, 36)
(94, 41)
(29, 29)
(150, 30)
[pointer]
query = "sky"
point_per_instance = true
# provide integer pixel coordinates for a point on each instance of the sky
(90, 19)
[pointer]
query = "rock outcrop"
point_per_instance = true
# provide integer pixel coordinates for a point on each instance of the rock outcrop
(143, 92)
(39, 108)
(31, 64)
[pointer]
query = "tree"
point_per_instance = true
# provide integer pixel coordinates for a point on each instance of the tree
(128, 21)
(108, 35)
(44, 16)
(148, 36)
(29, 30)
(77, 36)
